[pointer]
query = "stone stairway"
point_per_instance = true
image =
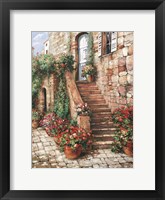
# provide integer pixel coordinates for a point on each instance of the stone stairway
(101, 125)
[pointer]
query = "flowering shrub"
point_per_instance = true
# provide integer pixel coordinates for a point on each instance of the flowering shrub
(83, 109)
(48, 120)
(123, 119)
(75, 137)
(64, 63)
(53, 124)
(88, 70)
(42, 66)
(36, 115)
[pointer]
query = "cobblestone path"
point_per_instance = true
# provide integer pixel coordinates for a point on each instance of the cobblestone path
(46, 154)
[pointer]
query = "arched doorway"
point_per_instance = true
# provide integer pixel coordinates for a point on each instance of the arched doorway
(82, 53)
(44, 99)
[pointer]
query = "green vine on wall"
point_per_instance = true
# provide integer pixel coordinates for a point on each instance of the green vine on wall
(90, 57)
(42, 66)
(61, 107)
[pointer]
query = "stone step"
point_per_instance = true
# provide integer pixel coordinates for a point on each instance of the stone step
(103, 130)
(103, 137)
(100, 120)
(87, 85)
(98, 125)
(102, 123)
(93, 97)
(97, 109)
(85, 82)
(88, 89)
(101, 114)
(102, 144)
(92, 106)
(90, 92)
(93, 101)
(91, 88)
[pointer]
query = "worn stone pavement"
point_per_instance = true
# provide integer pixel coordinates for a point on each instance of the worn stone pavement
(46, 154)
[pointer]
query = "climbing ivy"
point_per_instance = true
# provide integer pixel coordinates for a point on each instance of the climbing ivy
(42, 66)
(61, 107)
(90, 49)
(65, 63)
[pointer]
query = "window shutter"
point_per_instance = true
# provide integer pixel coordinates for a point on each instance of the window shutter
(113, 41)
(99, 44)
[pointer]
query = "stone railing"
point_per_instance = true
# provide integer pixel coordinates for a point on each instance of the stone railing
(75, 99)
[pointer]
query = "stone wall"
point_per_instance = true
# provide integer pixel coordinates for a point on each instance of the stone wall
(114, 70)
(59, 42)
(50, 85)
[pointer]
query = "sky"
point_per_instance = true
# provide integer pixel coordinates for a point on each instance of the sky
(38, 38)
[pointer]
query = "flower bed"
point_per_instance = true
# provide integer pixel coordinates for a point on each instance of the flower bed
(53, 124)
(67, 135)
(123, 119)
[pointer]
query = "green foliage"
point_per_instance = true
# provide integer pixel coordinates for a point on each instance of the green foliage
(42, 66)
(88, 70)
(76, 137)
(36, 115)
(73, 122)
(61, 107)
(90, 50)
(123, 119)
(65, 63)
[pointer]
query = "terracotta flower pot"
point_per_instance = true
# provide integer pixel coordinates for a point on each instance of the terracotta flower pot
(72, 154)
(128, 149)
(35, 124)
(90, 78)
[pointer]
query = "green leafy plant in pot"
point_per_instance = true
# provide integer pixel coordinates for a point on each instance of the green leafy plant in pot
(36, 116)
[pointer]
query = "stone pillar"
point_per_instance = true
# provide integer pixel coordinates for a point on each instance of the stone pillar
(84, 122)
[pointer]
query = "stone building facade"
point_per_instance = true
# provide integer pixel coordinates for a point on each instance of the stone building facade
(112, 57)
(47, 94)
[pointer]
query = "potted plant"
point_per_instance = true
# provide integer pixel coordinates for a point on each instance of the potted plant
(74, 141)
(35, 119)
(123, 138)
(89, 72)
(83, 109)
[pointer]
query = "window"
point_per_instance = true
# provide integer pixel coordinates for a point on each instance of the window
(107, 42)
(83, 52)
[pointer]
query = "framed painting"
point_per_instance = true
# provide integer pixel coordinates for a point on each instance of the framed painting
(82, 99)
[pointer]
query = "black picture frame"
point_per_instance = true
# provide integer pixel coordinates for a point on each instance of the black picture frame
(5, 7)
